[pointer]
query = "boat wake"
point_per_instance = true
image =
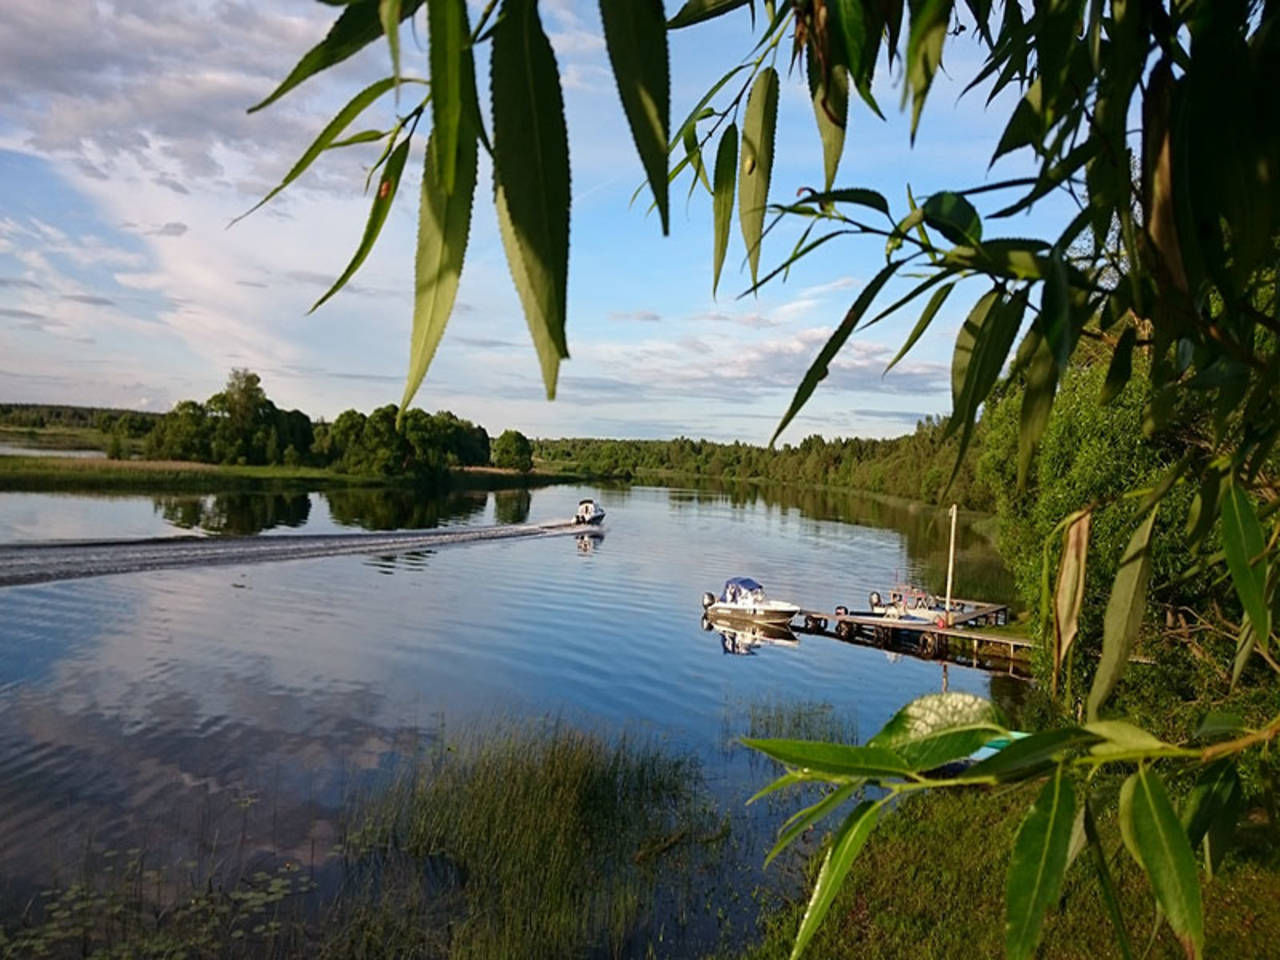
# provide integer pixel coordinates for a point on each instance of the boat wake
(30, 563)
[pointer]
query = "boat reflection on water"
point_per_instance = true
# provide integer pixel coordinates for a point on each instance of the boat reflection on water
(743, 639)
(590, 542)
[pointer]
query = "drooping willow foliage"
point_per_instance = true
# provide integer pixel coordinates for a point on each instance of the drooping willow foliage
(1170, 255)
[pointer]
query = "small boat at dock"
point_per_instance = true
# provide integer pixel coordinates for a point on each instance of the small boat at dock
(743, 599)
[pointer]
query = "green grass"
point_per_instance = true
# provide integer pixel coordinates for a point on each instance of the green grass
(930, 884)
(531, 841)
(61, 438)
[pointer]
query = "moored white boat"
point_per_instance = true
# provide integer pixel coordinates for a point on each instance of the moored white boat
(743, 599)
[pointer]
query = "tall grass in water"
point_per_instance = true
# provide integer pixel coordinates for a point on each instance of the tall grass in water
(531, 841)
(553, 839)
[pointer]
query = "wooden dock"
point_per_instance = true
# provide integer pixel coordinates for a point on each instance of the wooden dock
(963, 640)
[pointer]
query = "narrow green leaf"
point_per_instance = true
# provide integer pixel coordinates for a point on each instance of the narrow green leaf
(955, 216)
(1213, 809)
(1165, 855)
(1219, 723)
(817, 371)
(389, 17)
(849, 841)
(382, 200)
(726, 174)
(858, 195)
(940, 727)
(1037, 401)
(833, 759)
(444, 222)
(635, 33)
(926, 317)
(1122, 737)
(962, 356)
(700, 108)
(929, 22)
(997, 323)
(1125, 609)
(788, 779)
(830, 96)
(855, 29)
(1037, 865)
(696, 11)
(1121, 366)
(1243, 543)
(341, 120)
(1105, 884)
(1069, 596)
(693, 153)
(801, 821)
(756, 162)
(449, 42)
(531, 174)
(356, 27)
(364, 136)
(1029, 756)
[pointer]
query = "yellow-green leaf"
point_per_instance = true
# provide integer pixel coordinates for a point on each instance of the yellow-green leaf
(444, 222)
(388, 183)
(1125, 609)
(531, 176)
(849, 841)
(756, 162)
(1037, 865)
(1069, 596)
(452, 73)
(1165, 855)
(389, 17)
(830, 95)
(929, 22)
(635, 34)
(725, 178)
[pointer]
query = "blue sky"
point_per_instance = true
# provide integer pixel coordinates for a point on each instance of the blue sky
(125, 150)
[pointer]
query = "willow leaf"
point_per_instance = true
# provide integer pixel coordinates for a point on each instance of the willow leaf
(1165, 855)
(636, 36)
(926, 317)
(807, 817)
(444, 222)
(832, 759)
(696, 11)
(1037, 401)
(327, 138)
(725, 178)
(849, 841)
(1243, 542)
(452, 71)
(389, 17)
(818, 370)
(929, 22)
(756, 162)
(382, 200)
(1125, 609)
(357, 27)
(1038, 864)
(830, 95)
(531, 175)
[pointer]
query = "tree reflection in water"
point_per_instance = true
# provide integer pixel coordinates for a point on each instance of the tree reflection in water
(401, 509)
(235, 514)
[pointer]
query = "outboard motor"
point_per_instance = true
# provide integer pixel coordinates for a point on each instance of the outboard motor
(708, 599)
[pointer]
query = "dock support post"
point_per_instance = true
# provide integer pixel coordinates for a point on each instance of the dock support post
(951, 566)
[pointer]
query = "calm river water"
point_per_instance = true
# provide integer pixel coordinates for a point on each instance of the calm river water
(159, 704)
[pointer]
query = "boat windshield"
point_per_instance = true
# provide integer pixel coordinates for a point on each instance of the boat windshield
(741, 590)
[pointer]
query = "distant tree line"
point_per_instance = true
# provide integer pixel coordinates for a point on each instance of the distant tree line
(241, 425)
(916, 466)
(40, 416)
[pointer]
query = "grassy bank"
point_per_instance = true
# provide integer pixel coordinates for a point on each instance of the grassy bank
(85, 475)
(534, 842)
(59, 438)
(930, 884)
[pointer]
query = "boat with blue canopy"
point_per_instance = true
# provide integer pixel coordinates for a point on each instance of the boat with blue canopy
(744, 599)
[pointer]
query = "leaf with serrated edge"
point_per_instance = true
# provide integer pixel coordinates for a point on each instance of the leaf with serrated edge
(940, 727)
(755, 166)
(1165, 855)
(355, 28)
(449, 56)
(726, 173)
(635, 34)
(531, 176)
(849, 841)
(341, 120)
(444, 222)
(382, 200)
(1125, 609)
(1037, 865)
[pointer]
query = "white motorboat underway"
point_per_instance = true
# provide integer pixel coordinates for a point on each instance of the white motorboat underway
(744, 599)
(589, 513)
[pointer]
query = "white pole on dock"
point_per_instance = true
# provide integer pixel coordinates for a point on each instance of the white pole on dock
(951, 565)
